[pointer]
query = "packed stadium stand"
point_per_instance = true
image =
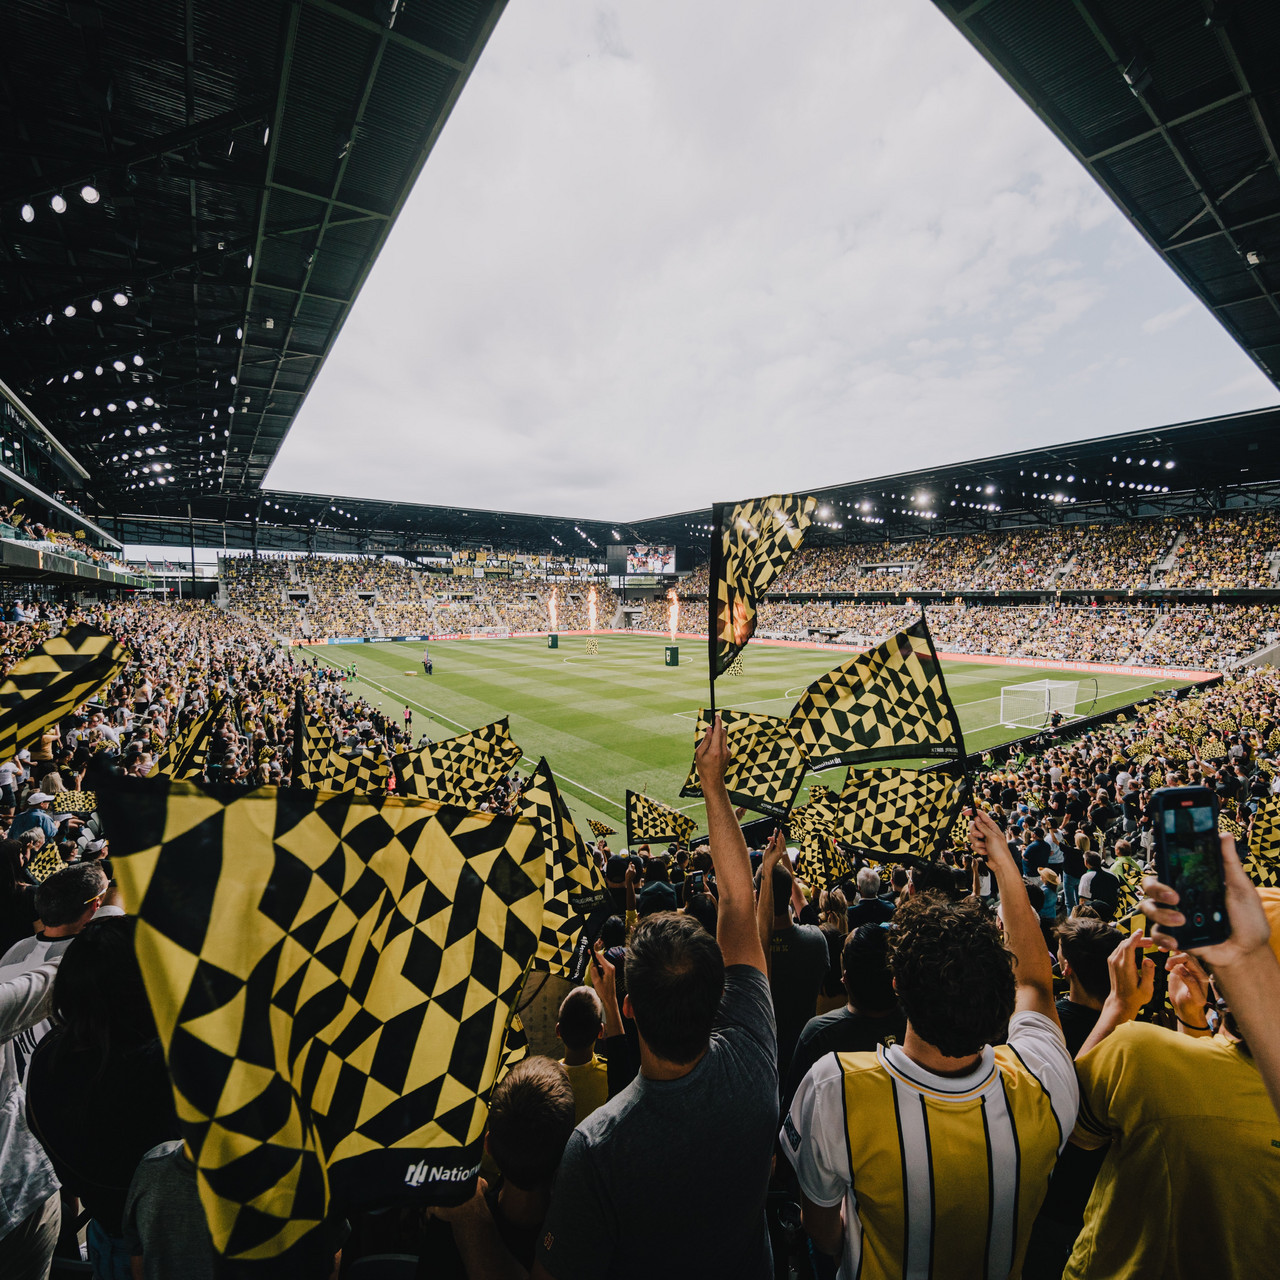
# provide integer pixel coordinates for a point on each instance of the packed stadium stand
(268, 1004)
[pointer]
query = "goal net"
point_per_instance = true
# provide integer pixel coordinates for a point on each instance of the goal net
(1030, 705)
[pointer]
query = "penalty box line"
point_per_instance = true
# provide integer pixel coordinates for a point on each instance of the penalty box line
(436, 715)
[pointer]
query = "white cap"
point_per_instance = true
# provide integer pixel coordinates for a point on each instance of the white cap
(38, 797)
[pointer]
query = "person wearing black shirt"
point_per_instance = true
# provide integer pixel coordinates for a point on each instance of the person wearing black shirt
(1036, 854)
(871, 1017)
(1083, 948)
(870, 907)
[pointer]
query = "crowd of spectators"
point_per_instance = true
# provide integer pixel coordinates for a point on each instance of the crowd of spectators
(839, 1059)
(17, 525)
(1227, 551)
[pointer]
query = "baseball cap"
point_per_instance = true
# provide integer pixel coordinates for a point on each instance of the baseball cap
(38, 797)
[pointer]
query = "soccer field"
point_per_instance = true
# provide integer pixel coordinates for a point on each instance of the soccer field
(621, 719)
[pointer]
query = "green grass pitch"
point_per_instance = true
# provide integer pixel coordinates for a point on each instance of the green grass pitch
(621, 719)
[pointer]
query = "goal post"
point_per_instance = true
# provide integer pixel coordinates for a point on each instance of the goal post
(1030, 705)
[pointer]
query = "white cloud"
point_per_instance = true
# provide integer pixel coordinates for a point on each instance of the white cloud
(667, 254)
(1167, 319)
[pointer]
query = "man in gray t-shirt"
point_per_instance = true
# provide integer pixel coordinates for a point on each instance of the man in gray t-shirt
(694, 1127)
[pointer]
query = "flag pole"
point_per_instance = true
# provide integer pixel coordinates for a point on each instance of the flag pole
(714, 574)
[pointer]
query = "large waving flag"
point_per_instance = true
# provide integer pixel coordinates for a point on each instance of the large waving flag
(332, 978)
(573, 887)
(460, 770)
(893, 814)
(888, 703)
(651, 820)
(751, 543)
(53, 680)
(765, 764)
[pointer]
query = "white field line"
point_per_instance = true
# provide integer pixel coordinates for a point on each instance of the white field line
(435, 715)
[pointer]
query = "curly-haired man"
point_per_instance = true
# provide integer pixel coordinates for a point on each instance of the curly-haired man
(932, 1157)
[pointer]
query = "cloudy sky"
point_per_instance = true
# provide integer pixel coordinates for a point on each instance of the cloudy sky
(667, 253)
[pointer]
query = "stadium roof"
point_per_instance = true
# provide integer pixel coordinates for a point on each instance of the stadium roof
(192, 197)
(1173, 107)
(1194, 467)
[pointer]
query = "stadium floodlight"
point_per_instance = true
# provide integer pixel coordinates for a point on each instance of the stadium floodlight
(69, 310)
(118, 365)
(57, 203)
(28, 213)
(120, 299)
(90, 194)
(96, 305)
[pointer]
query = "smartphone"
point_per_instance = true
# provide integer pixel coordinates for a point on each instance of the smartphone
(1189, 860)
(693, 884)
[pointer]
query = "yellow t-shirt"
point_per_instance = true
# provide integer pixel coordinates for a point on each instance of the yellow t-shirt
(590, 1083)
(1192, 1180)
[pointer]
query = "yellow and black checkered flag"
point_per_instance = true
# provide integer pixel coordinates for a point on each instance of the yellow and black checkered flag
(53, 680)
(366, 773)
(74, 802)
(332, 978)
(573, 885)
(896, 813)
(600, 829)
(765, 764)
(890, 703)
(813, 826)
(751, 543)
(836, 866)
(460, 770)
(184, 755)
(313, 744)
(1263, 859)
(45, 862)
(651, 820)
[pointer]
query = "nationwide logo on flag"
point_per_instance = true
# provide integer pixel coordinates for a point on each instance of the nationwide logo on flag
(894, 814)
(459, 770)
(651, 820)
(332, 977)
(888, 703)
(573, 883)
(765, 764)
(751, 543)
(53, 680)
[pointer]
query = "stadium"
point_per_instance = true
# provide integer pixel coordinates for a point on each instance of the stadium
(380, 833)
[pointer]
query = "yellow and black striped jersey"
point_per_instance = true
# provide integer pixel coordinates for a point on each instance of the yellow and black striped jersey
(940, 1176)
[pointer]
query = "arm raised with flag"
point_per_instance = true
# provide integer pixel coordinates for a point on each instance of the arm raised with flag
(736, 922)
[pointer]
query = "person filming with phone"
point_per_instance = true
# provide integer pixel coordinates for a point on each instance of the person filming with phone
(1186, 1112)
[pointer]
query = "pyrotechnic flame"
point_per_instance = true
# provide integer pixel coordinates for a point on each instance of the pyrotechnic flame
(673, 614)
(591, 609)
(551, 605)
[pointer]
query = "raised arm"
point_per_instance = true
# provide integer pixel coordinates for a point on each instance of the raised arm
(1244, 967)
(764, 899)
(1033, 970)
(736, 924)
